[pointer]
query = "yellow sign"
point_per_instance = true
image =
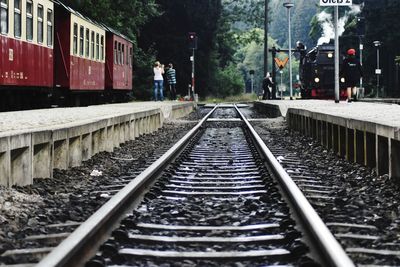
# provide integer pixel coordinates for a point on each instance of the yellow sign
(281, 63)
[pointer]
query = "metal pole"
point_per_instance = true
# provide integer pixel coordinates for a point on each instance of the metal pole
(361, 91)
(273, 73)
(281, 84)
(252, 83)
(193, 76)
(290, 58)
(336, 15)
(378, 67)
(397, 77)
(266, 38)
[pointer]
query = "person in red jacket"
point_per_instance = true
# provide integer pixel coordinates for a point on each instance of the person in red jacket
(352, 72)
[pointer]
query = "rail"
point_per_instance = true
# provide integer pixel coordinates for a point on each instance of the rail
(331, 249)
(84, 242)
(77, 248)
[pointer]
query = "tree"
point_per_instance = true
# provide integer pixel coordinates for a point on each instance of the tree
(302, 14)
(245, 14)
(381, 22)
(168, 35)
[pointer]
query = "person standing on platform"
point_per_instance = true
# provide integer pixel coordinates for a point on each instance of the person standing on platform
(158, 80)
(352, 72)
(171, 79)
(267, 84)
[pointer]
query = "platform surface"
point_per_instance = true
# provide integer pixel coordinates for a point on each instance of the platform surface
(26, 120)
(380, 113)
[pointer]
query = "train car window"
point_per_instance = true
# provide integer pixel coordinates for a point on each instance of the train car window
(81, 42)
(17, 18)
(97, 47)
(29, 20)
(49, 27)
(4, 16)
(102, 47)
(115, 52)
(130, 56)
(92, 38)
(87, 44)
(119, 53)
(75, 40)
(127, 55)
(40, 24)
(122, 54)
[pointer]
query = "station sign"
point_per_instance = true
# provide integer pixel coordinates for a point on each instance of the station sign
(335, 2)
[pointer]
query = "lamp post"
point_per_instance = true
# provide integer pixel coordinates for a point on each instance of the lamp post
(337, 85)
(378, 71)
(266, 37)
(289, 5)
(361, 34)
(361, 93)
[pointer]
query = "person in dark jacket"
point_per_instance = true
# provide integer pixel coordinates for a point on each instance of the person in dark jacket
(351, 71)
(267, 84)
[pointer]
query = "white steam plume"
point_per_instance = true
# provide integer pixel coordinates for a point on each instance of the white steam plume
(326, 21)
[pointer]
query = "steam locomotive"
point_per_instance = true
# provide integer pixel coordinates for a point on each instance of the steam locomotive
(317, 72)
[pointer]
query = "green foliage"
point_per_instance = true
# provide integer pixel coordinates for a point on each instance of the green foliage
(143, 75)
(241, 98)
(255, 35)
(228, 82)
(301, 14)
(250, 57)
(167, 34)
(381, 22)
(125, 16)
(250, 13)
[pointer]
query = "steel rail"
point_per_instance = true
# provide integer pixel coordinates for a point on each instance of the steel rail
(77, 248)
(331, 249)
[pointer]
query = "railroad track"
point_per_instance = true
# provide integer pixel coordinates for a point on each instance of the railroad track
(213, 200)
(364, 242)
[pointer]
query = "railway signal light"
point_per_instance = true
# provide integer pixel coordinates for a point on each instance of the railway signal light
(192, 40)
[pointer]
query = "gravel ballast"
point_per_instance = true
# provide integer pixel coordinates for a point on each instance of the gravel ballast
(364, 196)
(68, 197)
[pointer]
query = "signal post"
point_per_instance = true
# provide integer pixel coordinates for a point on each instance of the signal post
(193, 46)
(279, 63)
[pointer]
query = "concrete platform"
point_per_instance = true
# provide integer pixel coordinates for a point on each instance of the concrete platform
(367, 133)
(34, 142)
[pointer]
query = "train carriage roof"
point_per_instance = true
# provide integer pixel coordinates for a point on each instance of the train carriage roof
(109, 29)
(76, 13)
(101, 25)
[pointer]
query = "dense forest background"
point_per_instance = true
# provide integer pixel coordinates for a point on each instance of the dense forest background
(231, 38)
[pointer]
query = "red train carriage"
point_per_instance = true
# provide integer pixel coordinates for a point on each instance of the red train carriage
(74, 68)
(79, 52)
(26, 47)
(119, 56)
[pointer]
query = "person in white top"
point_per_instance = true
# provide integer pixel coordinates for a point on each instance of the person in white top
(158, 81)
